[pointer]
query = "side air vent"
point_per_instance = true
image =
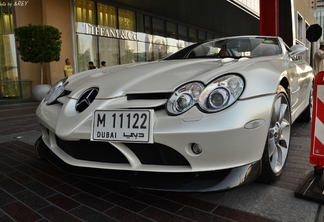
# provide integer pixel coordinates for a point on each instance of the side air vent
(86, 99)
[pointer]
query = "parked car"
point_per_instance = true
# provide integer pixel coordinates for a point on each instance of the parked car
(212, 116)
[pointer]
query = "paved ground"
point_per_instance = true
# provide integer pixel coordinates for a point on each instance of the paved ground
(34, 190)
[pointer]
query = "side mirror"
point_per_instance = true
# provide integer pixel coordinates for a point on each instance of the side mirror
(297, 50)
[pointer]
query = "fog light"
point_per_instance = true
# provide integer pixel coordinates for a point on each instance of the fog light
(196, 148)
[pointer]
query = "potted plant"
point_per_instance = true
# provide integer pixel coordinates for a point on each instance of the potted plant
(39, 44)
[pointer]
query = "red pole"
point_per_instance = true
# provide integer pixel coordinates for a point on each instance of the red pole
(269, 17)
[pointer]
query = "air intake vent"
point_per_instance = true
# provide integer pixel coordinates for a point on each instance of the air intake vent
(86, 99)
(152, 96)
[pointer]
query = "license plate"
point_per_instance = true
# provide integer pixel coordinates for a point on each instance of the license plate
(122, 125)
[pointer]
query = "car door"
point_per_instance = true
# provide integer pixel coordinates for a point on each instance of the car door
(299, 73)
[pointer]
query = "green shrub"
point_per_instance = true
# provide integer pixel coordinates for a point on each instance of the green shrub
(38, 44)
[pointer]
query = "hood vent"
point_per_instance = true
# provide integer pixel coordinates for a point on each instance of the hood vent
(86, 99)
(149, 96)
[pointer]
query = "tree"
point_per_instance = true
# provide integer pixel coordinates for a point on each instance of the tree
(38, 44)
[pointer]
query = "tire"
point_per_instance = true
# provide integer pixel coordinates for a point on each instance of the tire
(306, 115)
(278, 140)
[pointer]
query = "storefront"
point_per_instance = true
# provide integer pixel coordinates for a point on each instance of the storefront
(115, 31)
(119, 36)
(9, 84)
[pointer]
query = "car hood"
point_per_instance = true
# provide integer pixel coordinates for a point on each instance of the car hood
(152, 77)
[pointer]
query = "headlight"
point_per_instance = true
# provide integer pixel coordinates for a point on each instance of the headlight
(56, 90)
(216, 96)
(184, 98)
(221, 93)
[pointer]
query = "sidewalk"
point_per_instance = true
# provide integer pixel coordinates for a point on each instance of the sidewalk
(34, 190)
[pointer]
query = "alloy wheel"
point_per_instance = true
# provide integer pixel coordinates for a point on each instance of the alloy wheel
(279, 134)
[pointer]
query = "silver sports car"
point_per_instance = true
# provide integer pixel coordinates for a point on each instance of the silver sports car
(212, 116)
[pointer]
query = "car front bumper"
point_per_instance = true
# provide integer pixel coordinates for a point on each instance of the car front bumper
(230, 153)
(220, 180)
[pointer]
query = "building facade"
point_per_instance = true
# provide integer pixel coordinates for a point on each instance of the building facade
(117, 32)
(318, 10)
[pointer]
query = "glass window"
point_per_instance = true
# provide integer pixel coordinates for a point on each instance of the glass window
(8, 65)
(192, 35)
(183, 32)
(87, 51)
(85, 11)
(171, 29)
(299, 27)
(142, 37)
(202, 36)
(128, 51)
(210, 36)
(126, 20)
(155, 38)
(108, 51)
(140, 23)
(107, 16)
(308, 46)
(159, 51)
(6, 19)
(9, 87)
(148, 24)
(182, 44)
(172, 42)
(158, 27)
(159, 47)
(145, 52)
(171, 50)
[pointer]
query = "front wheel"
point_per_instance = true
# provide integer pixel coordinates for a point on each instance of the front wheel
(278, 140)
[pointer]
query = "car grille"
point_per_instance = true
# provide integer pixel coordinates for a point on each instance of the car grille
(92, 151)
(156, 154)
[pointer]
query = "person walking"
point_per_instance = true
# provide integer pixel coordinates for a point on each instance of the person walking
(319, 59)
(67, 69)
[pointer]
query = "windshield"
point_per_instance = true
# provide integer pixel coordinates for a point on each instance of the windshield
(232, 47)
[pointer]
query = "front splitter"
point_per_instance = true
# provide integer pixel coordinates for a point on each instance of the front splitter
(219, 180)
